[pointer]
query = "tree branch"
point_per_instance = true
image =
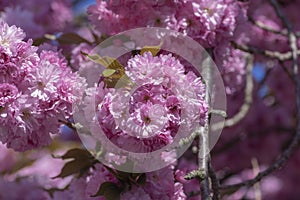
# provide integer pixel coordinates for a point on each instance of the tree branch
(256, 187)
(203, 148)
(270, 29)
(68, 124)
(267, 28)
(286, 154)
(239, 138)
(271, 54)
(214, 182)
(247, 101)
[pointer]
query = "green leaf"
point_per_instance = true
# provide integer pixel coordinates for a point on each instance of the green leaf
(106, 61)
(123, 82)
(152, 49)
(109, 190)
(108, 72)
(114, 74)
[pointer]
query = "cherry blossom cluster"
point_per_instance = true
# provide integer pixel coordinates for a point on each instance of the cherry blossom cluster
(207, 21)
(212, 23)
(36, 91)
(36, 17)
(159, 107)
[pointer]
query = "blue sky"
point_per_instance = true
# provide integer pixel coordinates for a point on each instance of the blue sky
(82, 5)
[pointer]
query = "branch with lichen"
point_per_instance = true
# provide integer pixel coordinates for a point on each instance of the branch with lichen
(267, 53)
(202, 173)
(247, 101)
(262, 26)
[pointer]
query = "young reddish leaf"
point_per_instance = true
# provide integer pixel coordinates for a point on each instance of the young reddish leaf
(39, 41)
(77, 153)
(71, 38)
(73, 167)
(109, 190)
(82, 160)
(123, 176)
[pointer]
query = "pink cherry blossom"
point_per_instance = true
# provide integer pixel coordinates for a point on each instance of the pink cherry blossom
(148, 118)
(37, 18)
(35, 92)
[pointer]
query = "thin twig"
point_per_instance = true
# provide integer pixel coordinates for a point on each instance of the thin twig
(270, 29)
(188, 139)
(268, 53)
(203, 159)
(193, 193)
(191, 137)
(257, 191)
(214, 182)
(239, 138)
(281, 15)
(203, 148)
(221, 113)
(286, 154)
(205, 189)
(199, 173)
(247, 101)
(267, 28)
(205, 185)
(276, 165)
(203, 151)
(67, 123)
